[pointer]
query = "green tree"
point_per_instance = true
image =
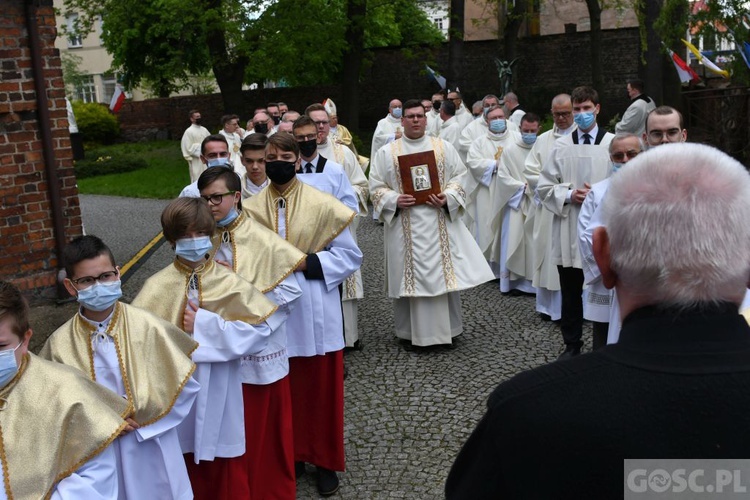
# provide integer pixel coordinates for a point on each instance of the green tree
(247, 41)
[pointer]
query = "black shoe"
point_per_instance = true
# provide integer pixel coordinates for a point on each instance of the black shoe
(299, 469)
(570, 351)
(328, 482)
(545, 317)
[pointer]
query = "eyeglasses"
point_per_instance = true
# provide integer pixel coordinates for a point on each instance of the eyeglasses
(414, 117)
(658, 135)
(87, 281)
(321, 122)
(308, 137)
(620, 155)
(216, 199)
(562, 114)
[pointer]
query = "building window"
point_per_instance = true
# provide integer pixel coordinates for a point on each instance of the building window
(74, 40)
(109, 82)
(438, 23)
(86, 90)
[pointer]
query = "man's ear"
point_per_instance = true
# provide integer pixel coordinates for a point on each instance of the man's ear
(603, 258)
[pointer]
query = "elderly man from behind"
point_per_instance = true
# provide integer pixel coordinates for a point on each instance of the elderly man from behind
(677, 248)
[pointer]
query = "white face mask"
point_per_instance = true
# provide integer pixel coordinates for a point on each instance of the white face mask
(8, 365)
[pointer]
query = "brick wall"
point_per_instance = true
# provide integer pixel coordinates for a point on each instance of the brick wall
(547, 66)
(27, 234)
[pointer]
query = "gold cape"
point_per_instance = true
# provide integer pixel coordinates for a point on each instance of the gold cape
(264, 259)
(313, 218)
(154, 357)
(53, 421)
(219, 290)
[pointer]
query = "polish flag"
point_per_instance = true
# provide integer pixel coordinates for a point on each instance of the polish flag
(117, 99)
(684, 71)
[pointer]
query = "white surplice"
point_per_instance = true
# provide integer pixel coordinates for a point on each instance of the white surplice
(482, 204)
(215, 426)
(516, 204)
(272, 363)
(546, 279)
(352, 288)
(191, 149)
(598, 303)
(234, 142)
(94, 480)
(429, 251)
(149, 459)
(450, 131)
(385, 132)
(569, 167)
(315, 326)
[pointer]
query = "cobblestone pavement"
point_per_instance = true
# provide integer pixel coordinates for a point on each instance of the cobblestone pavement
(407, 411)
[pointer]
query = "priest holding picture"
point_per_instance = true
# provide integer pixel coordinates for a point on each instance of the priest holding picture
(430, 255)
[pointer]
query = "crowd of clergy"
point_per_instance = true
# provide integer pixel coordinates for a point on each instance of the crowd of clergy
(224, 376)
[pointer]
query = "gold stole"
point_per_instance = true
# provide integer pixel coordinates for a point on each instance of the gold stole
(258, 254)
(153, 356)
(313, 218)
(219, 290)
(53, 421)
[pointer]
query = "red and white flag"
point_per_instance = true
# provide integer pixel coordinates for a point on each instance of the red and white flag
(684, 71)
(117, 99)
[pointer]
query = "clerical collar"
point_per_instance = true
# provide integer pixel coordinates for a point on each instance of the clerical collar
(496, 137)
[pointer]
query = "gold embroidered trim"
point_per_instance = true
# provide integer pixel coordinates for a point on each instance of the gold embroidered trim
(91, 329)
(409, 285)
(351, 287)
(437, 147)
(338, 152)
(445, 252)
(458, 188)
(6, 479)
(377, 195)
(174, 400)
(85, 459)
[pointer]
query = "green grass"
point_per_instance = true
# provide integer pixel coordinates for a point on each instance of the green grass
(164, 178)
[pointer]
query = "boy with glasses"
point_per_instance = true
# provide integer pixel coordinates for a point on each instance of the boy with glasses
(138, 356)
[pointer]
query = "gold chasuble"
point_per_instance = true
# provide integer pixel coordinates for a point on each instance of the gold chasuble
(52, 421)
(313, 218)
(154, 357)
(220, 291)
(264, 259)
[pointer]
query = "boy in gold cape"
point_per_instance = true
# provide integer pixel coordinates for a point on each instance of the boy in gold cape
(229, 318)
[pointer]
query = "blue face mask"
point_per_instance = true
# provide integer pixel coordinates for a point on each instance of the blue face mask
(193, 249)
(396, 112)
(219, 162)
(100, 296)
(529, 138)
(231, 216)
(616, 167)
(497, 125)
(584, 119)
(8, 365)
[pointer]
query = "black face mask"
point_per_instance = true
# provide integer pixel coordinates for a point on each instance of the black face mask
(261, 128)
(276, 119)
(307, 148)
(279, 171)
(436, 105)
(198, 121)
